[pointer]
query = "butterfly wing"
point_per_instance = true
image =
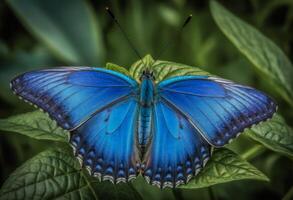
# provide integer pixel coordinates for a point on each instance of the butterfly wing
(218, 108)
(71, 95)
(98, 106)
(176, 151)
(106, 143)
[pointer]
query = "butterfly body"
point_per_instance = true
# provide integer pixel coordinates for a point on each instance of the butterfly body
(147, 95)
(121, 127)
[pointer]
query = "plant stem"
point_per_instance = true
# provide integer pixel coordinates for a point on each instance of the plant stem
(211, 193)
(253, 152)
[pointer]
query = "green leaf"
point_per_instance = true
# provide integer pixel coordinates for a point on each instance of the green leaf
(69, 28)
(56, 174)
(166, 69)
(36, 125)
(275, 134)
(163, 69)
(117, 68)
(224, 166)
(261, 51)
(140, 65)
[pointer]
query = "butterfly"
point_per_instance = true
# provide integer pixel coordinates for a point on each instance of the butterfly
(121, 127)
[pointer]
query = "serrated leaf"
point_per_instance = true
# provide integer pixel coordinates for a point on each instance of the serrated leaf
(163, 69)
(275, 134)
(36, 125)
(224, 166)
(69, 28)
(260, 50)
(117, 68)
(56, 174)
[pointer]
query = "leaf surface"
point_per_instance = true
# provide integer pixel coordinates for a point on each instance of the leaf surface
(163, 69)
(275, 134)
(117, 68)
(69, 28)
(260, 50)
(36, 125)
(56, 174)
(224, 166)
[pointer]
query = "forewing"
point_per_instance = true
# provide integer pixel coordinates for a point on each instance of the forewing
(218, 108)
(72, 95)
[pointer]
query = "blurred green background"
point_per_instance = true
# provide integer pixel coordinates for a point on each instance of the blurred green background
(64, 33)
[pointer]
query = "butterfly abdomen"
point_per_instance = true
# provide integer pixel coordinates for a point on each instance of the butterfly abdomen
(145, 113)
(144, 125)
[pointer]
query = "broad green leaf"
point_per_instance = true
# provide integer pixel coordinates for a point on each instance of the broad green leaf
(163, 69)
(36, 125)
(56, 174)
(224, 166)
(261, 51)
(117, 68)
(275, 134)
(69, 28)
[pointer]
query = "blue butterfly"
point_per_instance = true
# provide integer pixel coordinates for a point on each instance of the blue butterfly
(121, 128)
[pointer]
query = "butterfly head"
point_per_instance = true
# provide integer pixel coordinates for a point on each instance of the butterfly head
(147, 74)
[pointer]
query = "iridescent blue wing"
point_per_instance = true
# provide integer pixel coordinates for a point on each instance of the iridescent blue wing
(177, 151)
(71, 95)
(106, 143)
(218, 108)
(98, 106)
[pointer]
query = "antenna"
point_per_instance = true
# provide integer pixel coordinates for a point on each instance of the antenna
(123, 32)
(178, 33)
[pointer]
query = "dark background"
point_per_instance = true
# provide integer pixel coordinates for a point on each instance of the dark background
(150, 24)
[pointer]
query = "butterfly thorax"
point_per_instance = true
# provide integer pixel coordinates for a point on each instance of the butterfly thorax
(147, 89)
(146, 102)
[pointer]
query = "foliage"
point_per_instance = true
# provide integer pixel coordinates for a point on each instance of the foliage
(71, 33)
(225, 166)
(261, 51)
(275, 134)
(36, 125)
(63, 31)
(57, 174)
